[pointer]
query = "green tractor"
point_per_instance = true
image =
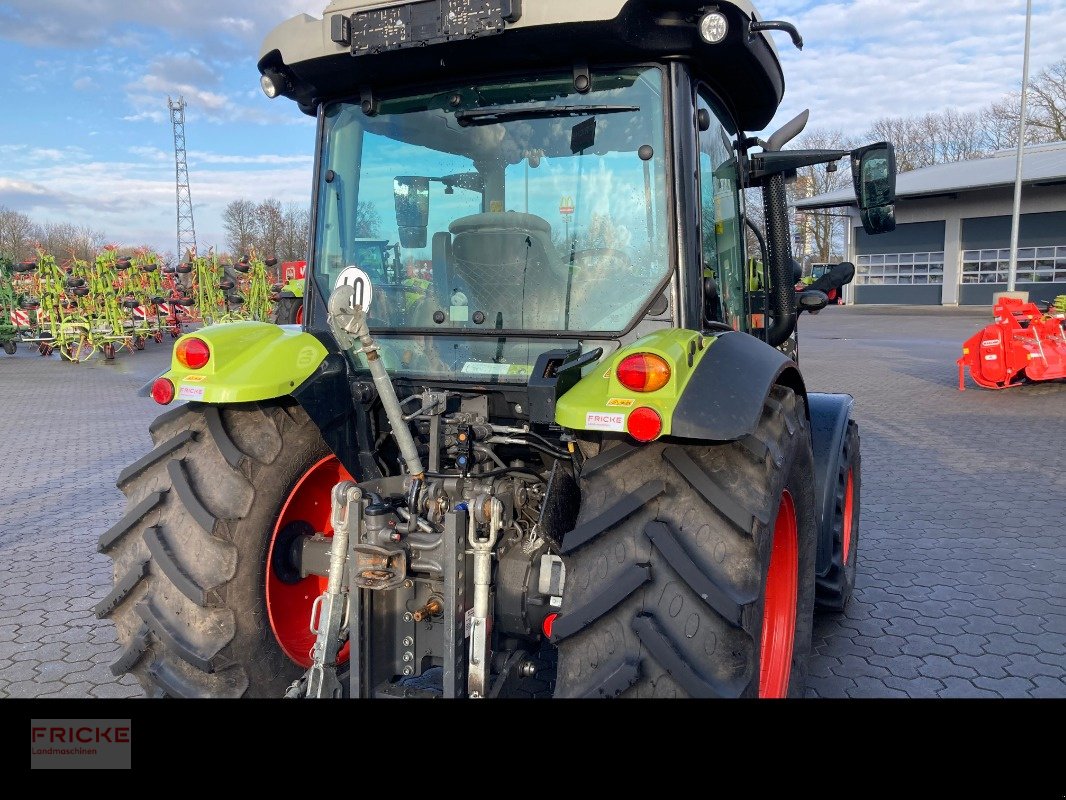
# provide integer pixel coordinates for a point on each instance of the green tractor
(559, 469)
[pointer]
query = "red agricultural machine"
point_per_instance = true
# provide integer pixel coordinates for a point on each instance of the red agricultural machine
(1022, 345)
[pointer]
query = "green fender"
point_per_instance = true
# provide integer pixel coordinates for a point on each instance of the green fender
(249, 361)
(293, 288)
(716, 391)
(599, 401)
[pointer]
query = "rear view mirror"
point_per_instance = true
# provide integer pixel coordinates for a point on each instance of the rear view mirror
(411, 195)
(836, 277)
(812, 301)
(873, 170)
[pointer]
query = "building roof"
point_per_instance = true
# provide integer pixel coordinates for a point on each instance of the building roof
(1042, 164)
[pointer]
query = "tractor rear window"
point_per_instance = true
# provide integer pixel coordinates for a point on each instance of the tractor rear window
(500, 210)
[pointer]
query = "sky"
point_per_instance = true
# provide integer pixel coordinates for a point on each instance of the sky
(85, 132)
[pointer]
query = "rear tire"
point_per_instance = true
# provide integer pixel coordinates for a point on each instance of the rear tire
(834, 590)
(190, 554)
(10, 347)
(668, 567)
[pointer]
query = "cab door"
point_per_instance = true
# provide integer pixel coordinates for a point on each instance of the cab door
(721, 214)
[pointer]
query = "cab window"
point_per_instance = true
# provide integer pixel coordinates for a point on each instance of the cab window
(721, 217)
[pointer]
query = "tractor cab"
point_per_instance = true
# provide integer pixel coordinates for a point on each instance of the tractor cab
(567, 172)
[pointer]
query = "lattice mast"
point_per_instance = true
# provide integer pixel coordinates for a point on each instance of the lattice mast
(186, 229)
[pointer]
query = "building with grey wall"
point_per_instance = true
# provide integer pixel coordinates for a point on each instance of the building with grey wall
(951, 245)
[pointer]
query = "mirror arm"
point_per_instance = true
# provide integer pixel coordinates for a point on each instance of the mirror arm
(774, 163)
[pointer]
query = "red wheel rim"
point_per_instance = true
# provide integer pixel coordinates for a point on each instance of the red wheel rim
(849, 495)
(300, 315)
(289, 604)
(779, 609)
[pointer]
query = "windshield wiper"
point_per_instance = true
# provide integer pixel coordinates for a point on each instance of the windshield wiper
(490, 116)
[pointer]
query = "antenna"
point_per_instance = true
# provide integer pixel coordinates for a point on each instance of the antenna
(186, 229)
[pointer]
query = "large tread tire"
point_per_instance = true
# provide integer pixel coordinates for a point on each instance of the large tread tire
(834, 590)
(287, 311)
(666, 567)
(190, 553)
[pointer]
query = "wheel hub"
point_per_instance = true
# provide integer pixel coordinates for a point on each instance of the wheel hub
(289, 597)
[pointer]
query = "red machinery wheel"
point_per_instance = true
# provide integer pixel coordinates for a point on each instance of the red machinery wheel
(779, 608)
(306, 510)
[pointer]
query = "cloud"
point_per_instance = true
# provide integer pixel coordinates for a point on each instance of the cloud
(863, 60)
(29, 197)
(228, 26)
(133, 201)
(267, 158)
(83, 83)
(200, 81)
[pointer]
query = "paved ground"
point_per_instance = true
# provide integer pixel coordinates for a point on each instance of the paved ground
(962, 585)
(68, 432)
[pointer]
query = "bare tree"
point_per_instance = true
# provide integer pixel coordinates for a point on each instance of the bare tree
(819, 235)
(269, 225)
(367, 221)
(1000, 125)
(906, 136)
(295, 232)
(65, 240)
(1047, 94)
(238, 219)
(16, 234)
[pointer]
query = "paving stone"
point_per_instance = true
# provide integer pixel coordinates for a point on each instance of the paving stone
(915, 687)
(960, 688)
(924, 646)
(1009, 645)
(116, 690)
(989, 665)
(1027, 666)
(1048, 687)
(834, 686)
(73, 690)
(939, 667)
(61, 671)
(1005, 687)
(872, 688)
(33, 688)
(963, 642)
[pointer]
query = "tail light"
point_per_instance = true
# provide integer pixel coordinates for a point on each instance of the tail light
(163, 391)
(192, 353)
(643, 372)
(644, 424)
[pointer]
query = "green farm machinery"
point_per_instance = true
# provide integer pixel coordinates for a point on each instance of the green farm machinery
(579, 458)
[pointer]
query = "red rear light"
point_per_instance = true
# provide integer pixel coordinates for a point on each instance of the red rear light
(643, 372)
(163, 391)
(644, 424)
(549, 621)
(192, 353)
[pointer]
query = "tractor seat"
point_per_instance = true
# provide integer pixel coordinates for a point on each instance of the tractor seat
(506, 263)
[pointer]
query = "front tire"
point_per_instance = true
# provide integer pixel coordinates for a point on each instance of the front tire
(690, 572)
(834, 590)
(289, 311)
(191, 553)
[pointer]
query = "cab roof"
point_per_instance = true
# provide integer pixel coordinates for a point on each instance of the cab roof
(364, 47)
